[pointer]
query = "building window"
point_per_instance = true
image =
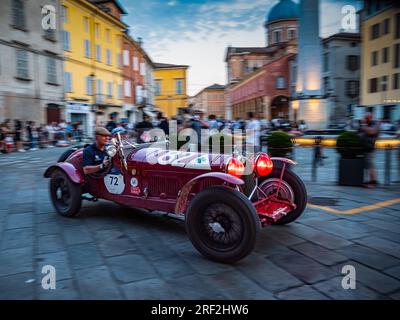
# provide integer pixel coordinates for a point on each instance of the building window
(384, 83)
(67, 82)
(375, 31)
(276, 36)
(18, 9)
(98, 52)
(397, 32)
(352, 88)
(51, 70)
(386, 26)
(374, 58)
(120, 91)
(97, 30)
(142, 69)
(353, 44)
(396, 60)
(66, 41)
(179, 86)
(127, 87)
(158, 87)
(126, 58)
(119, 60)
(86, 24)
(99, 86)
(22, 63)
(88, 85)
(373, 85)
(280, 82)
(87, 48)
(109, 89)
(326, 85)
(108, 56)
(326, 62)
(64, 14)
(385, 55)
(135, 63)
(352, 63)
(396, 81)
(291, 34)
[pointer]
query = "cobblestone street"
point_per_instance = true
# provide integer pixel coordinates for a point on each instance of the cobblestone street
(109, 252)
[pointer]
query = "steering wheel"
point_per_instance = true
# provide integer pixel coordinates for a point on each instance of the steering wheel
(102, 173)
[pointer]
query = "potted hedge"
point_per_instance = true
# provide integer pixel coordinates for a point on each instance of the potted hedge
(279, 144)
(351, 163)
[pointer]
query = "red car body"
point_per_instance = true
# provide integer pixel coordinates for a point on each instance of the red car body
(167, 180)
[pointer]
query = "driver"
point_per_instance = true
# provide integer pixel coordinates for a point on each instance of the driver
(95, 157)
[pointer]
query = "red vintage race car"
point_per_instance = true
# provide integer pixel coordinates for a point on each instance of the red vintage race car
(224, 199)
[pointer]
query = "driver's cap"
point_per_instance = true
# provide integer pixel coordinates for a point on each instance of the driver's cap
(102, 131)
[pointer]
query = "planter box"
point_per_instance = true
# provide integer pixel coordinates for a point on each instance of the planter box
(351, 172)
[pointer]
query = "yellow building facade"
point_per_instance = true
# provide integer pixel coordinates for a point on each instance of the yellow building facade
(380, 72)
(93, 79)
(170, 85)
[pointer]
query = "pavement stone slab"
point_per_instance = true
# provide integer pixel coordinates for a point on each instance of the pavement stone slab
(149, 289)
(84, 256)
(301, 293)
(77, 235)
(369, 257)
(17, 287)
(19, 220)
(13, 261)
(302, 267)
(238, 286)
(394, 272)
(132, 267)
(320, 254)
(50, 243)
(17, 238)
(96, 283)
(267, 274)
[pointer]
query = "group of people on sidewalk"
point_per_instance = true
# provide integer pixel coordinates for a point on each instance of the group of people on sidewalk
(21, 136)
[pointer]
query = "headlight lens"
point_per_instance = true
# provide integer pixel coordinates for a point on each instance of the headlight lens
(111, 150)
(263, 165)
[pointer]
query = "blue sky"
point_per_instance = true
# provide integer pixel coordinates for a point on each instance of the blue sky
(197, 32)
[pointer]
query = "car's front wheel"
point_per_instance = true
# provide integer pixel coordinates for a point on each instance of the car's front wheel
(65, 194)
(291, 188)
(222, 224)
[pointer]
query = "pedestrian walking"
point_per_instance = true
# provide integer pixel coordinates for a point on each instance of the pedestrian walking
(18, 135)
(369, 131)
(253, 129)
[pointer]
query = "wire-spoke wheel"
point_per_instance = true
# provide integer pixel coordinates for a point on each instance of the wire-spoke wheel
(65, 195)
(222, 224)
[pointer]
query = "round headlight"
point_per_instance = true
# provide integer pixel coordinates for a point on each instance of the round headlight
(111, 151)
(263, 165)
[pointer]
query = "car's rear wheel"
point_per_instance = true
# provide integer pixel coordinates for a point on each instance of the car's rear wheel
(222, 224)
(65, 194)
(291, 188)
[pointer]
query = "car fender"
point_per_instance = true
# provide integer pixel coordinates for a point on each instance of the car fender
(69, 169)
(285, 160)
(182, 199)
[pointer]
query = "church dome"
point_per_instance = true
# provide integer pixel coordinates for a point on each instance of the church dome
(285, 9)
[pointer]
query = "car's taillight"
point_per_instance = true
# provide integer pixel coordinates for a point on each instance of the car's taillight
(235, 167)
(263, 165)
